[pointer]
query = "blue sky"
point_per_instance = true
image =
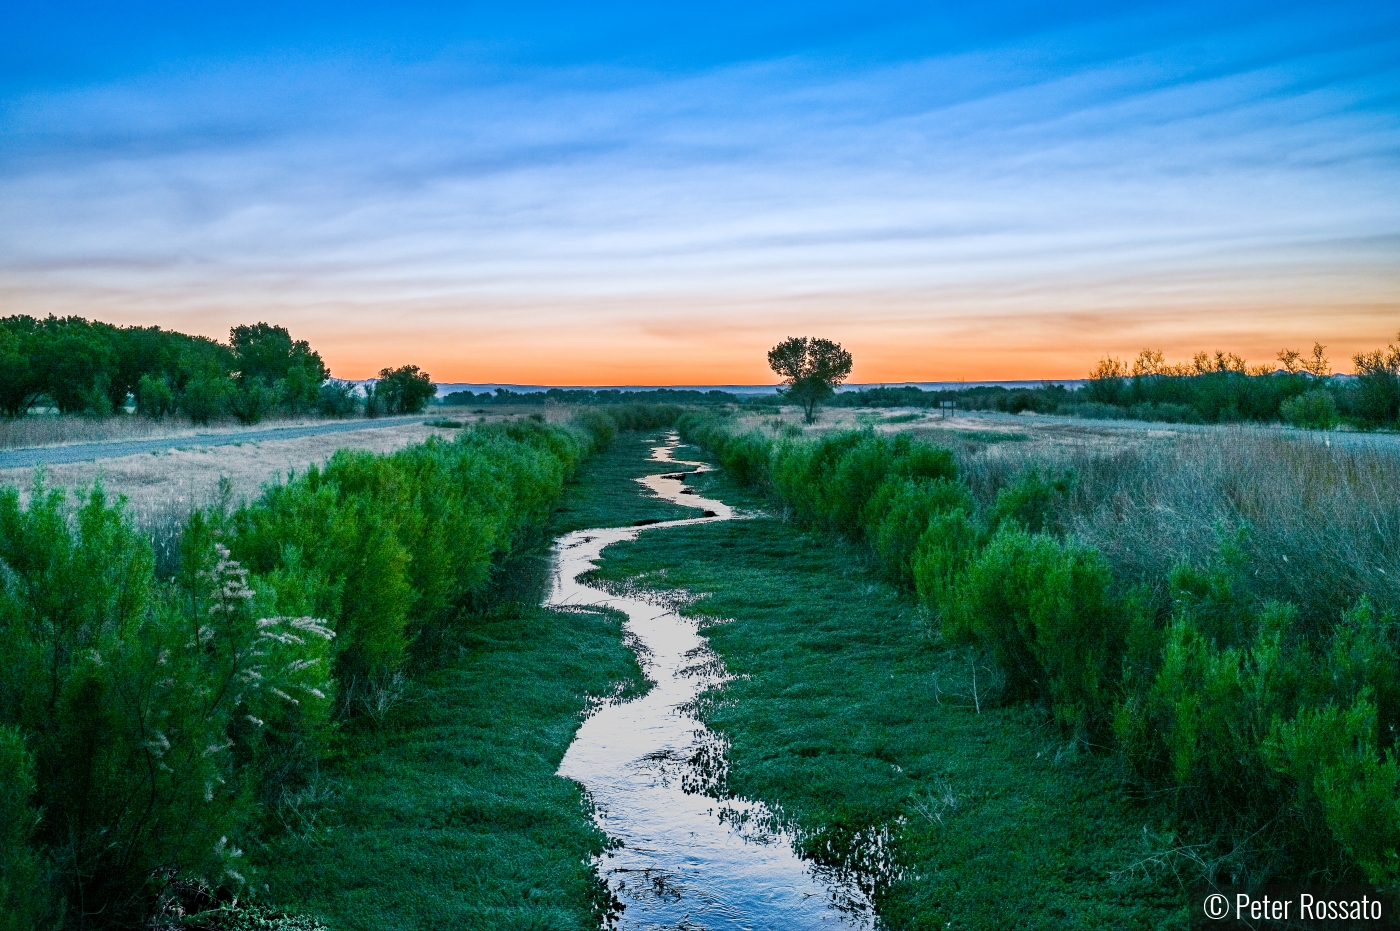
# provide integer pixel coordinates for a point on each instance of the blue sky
(626, 195)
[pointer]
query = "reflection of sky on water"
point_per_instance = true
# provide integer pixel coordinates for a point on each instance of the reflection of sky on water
(684, 859)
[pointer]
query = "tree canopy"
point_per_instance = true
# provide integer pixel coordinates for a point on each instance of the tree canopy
(89, 367)
(404, 390)
(811, 368)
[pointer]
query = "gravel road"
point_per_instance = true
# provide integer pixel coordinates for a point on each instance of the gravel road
(91, 452)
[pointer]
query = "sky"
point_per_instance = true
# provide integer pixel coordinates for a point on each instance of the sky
(624, 194)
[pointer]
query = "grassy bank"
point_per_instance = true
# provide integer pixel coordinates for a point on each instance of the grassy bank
(1217, 615)
(449, 814)
(848, 717)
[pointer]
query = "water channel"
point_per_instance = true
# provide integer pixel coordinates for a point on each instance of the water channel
(680, 858)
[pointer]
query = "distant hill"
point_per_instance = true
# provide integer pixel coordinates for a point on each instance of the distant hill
(746, 390)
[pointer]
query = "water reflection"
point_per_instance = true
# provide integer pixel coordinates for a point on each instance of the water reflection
(682, 860)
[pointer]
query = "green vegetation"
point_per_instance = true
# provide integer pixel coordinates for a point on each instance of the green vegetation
(88, 367)
(1267, 724)
(404, 390)
(455, 795)
(877, 743)
(450, 813)
(172, 722)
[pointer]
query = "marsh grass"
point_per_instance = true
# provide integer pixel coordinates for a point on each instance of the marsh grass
(1320, 522)
(450, 814)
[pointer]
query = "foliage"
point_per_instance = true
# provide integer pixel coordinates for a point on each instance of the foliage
(24, 900)
(89, 367)
(1376, 400)
(137, 699)
(811, 368)
(155, 398)
(336, 399)
(404, 390)
(252, 399)
(1239, 706)
(206, 396)
(1311, 410)
(1215, 387)
(868, 740)
(163, 720)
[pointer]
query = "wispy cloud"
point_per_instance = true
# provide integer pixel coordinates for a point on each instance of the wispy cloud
(1240, 184)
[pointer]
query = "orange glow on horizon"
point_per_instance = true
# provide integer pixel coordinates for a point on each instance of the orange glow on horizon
(977, 335)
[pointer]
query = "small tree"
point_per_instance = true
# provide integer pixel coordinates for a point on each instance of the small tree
(812, 369)
(404, 390)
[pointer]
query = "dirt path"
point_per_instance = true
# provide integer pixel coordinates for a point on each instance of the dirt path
(115, 449)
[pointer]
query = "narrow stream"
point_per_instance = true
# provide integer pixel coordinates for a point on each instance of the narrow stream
(682, 860)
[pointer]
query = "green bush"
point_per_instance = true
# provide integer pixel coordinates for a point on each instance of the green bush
(252, 400)
(1033, 501)
(1333, 755)
(336, 399)
(24, 900)
(1312, 410)
(1273, 733)
(900, 513)
(161, 720)
(154, 397)
(206, 397)
(1043, 609)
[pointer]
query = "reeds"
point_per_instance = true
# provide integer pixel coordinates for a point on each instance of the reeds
(1319, 522)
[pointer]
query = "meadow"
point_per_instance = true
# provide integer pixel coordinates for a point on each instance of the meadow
(1042, 672)
(1214, 615)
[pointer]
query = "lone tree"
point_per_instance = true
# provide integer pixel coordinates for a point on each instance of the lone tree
(811, 368)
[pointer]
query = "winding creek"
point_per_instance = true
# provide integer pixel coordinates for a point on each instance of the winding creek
(681, 859)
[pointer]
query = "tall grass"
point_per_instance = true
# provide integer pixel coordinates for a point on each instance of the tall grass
(1319, 524)
(149, 724)
(1220, 613)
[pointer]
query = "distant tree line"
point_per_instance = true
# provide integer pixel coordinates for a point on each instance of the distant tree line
(88, 367)
(590, 396)
(1211, 388)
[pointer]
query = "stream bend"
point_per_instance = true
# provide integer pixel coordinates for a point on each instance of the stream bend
(680, 859)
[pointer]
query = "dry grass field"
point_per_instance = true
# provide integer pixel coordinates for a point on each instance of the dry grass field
(165, 485)
(42, 430)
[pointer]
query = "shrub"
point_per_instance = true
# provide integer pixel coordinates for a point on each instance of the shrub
(1333, 755)
(154, 397)
(336, 399)
(155, 718)
(24, 902)
(899, 515)
(205, 397)
(1034, 500)
(252, 400)
(1312, 410)
(1043, 609)
(948, 546)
